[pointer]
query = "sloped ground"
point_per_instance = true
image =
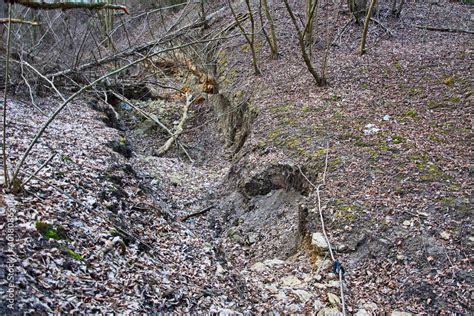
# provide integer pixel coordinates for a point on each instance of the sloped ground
(97, 265)
(397, 201)
(399, 198)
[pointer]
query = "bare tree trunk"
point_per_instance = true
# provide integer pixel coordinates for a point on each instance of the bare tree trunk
(250, 40)
(252, 45)
(203, 14)
(397, 10)
(366, 26)
(66, 5)
(357, 8)
(310, 14)
(5, 94)
(320, 80)
(272, 37)
(107, 21)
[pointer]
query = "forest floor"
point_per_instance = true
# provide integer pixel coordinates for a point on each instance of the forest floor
(103, 226)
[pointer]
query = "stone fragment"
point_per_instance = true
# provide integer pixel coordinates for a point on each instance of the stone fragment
(258, 267)
(252, 238)
(294, 308)
(397, 313)
(303, 295)
(228, 312)
(362, 312)
(219, 269)
(317, 305)
(273, 262)
(371, 307)
(272, 288)
(334, 299)
(329, 312)
(281, 296)
(320, 286)
(319, 241)
(291, 281)
(445, 235)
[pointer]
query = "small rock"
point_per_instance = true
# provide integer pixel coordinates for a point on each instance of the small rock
(291, 281)
(281, 296)
(322, 265)
(371, 307)
(317, 305)
(471, 238)
(406, 223)
(273, 262)
(333, 284)
(362, 312)
(294, 308)
(401, 257)
(252, 238)
(228, 312)
(332, 276)
(320, 286)
(258, 267)
(445, 235)
(304, 296)
(342, 248)
(329, 312)
(319, 241)
(387, 117)
(334, 299)
(219, 269)
(176, 179)
(272, 288)
(397, 313)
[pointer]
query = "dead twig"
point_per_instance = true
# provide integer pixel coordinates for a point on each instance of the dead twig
(30, 90)
(200, 212)
(389, 31)
(39, 169)
(442, 29)
(18, 21)
(179, 129)
(152, 118)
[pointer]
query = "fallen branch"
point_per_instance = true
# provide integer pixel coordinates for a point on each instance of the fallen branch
(30, 90)
(389, 31)
(179, 129)
(39, 169)
(340, 33)
(200, 212)
(18, 21)
(66, 5)
(151, 117)
(442, 29)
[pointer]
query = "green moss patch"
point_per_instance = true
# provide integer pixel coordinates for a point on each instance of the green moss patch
(411, 113)
(49, 232)
(74, 255)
